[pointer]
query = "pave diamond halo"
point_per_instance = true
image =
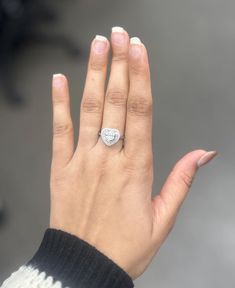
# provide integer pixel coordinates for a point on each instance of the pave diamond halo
(110, 136)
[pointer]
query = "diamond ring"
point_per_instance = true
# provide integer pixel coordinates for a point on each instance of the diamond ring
(110, 136)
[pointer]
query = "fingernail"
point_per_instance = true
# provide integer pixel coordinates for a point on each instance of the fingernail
(135, 40)
(57, 75)
(118, 36)
(57, 79)
(135, 49)
(117, 29)
(206, 158)
(100, 44)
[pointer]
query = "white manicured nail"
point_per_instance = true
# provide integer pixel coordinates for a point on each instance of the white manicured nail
(118, 38)
(117, 29)
(57, 75)
(100, 38)
(135, 40)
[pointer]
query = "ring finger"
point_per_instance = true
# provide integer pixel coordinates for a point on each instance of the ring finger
(114, 114)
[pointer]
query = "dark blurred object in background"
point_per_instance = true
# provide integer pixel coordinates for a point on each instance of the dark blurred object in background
(2, 213)
(19, 20)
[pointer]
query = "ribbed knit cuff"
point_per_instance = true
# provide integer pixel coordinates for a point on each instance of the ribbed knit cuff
(76, 263)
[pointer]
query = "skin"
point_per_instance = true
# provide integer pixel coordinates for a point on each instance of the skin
(104, 194)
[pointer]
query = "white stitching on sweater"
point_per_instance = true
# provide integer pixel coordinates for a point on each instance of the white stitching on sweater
(28, 277)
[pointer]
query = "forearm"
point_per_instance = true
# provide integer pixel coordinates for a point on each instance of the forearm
(63, 261)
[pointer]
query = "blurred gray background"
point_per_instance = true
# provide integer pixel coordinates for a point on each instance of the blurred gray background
(191, 47)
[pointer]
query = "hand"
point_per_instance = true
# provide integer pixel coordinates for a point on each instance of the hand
(104, 194)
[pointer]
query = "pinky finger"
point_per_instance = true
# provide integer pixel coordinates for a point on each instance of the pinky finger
(63, 133)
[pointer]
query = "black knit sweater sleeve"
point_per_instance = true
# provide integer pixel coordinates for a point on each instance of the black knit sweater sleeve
(66, 261)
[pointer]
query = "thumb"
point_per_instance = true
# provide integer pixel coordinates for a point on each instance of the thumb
(167, 203)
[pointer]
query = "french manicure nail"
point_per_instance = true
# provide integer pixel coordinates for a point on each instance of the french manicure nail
(100, 44)
(135, 49)
(206, 158)
(135, 40)
(57, 75)
(118, 36)
(117, 29)
(57, 79)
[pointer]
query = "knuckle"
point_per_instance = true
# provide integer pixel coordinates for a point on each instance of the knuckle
(146, 165)
(116, 97)
(139, 106)
(59, 100)
(60, 129)
(137, 69)
(129, 168)
(129, 164)
(97, 64)
(120, 57)
(170, 225)
(91, 105)
(134, 165)
(186, 179)
(148, 161)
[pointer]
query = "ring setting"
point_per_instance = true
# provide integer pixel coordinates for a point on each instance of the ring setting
(110, 136)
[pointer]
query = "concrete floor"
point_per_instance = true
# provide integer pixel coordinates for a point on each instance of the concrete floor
(191, 46)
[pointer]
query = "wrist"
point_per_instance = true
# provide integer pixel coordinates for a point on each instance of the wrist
(74, 262)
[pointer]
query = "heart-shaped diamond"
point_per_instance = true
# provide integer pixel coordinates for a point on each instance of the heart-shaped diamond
(110, 136)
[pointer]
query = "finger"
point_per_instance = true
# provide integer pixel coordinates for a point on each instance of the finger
(91, 110)
(114, 114)
(167, 203)
(63, 134)
(138, 132)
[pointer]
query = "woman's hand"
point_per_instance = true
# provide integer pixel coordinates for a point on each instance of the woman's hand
(103, 194)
